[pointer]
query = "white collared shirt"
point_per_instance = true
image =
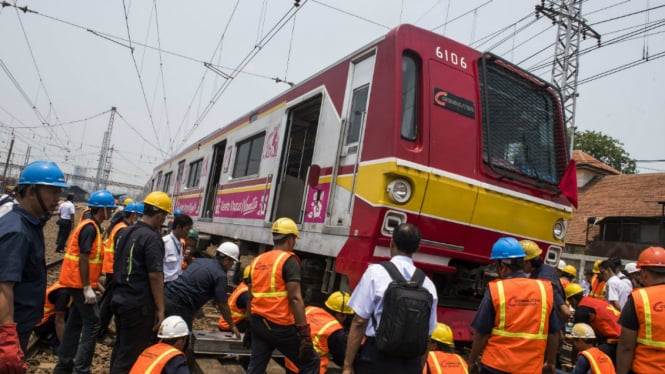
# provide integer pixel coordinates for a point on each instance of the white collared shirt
(66, 210)
(173, 256)
(367, 298)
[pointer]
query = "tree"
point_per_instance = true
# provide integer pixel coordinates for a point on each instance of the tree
(606, 149)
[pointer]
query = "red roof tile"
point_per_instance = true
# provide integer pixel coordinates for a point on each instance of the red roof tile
(583, 159)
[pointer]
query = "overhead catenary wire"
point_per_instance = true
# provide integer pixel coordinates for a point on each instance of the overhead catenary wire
(161, 70)
(138, 74)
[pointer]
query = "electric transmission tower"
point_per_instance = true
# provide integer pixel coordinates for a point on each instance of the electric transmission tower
(104, 165)
(567, 14)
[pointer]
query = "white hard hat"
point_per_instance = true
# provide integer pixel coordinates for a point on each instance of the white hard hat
(582, 331)
(173, 327)
(230, 250)
(631, 268)
(561, 264)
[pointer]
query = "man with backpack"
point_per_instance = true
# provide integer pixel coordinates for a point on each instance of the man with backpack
(395, 316)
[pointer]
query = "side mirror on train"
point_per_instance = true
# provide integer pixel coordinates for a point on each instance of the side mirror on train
(313, 175)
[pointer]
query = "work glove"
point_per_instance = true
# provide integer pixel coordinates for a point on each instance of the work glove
(306, 350)
(90, 295)
(12, 359)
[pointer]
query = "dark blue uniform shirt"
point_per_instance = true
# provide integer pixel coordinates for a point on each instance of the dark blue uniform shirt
(22, 253)
(204, 279)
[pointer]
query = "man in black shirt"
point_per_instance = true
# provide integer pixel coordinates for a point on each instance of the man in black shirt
(138, 273)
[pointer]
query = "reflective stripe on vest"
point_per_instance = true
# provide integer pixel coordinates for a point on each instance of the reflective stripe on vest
(154, 358)
(109, 247)
(70, 275)
(269, 290)
(647, 317)
(237, 314)
(597, 288)
(522, 309)
(323, 325)
(49, 308)
(600, 362)
(453, 363)
(501, 329)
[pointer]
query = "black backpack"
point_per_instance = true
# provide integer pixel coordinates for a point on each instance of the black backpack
(404, 327)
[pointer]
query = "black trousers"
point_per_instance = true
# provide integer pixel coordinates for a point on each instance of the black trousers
(133, 328)
(65, 228)
(105, 312)
(371, 361)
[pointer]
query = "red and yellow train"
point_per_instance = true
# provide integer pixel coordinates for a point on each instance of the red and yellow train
(413, 127)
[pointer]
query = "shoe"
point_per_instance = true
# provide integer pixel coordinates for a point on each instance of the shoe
(59, 251)
(107, 340)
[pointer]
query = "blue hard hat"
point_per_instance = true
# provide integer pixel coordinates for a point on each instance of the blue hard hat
(135, 207)
(102, 199)
(177, 211)
(507, 248)
(45, 173)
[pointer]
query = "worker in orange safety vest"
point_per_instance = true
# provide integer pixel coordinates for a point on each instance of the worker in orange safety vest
(642, 343)
(597, 284)
(589, 358)
(442, 357)
(277, 310)
(81, 268)
(238, 305)
(516, 330)
(165, 356)
(329, 330)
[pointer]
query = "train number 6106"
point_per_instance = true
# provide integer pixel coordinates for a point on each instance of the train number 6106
(451, 57)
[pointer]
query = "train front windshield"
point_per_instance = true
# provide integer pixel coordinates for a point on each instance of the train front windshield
(523, 136)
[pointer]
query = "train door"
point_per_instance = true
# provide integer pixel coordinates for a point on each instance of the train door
(350, 147)
(213, 180)
(300, 140)
(451, 193)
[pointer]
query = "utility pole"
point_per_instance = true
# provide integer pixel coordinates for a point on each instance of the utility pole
(104, 164)
(565, 67)
(9, 156)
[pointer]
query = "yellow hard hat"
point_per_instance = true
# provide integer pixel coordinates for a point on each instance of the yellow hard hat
(573, 289)
(443, 334)
(570, 269)
(127, 201)
(531, 249)
(337, 302)
(285, 226)
(159, 200)
(581, 331)
(245, 273)
(596, 266)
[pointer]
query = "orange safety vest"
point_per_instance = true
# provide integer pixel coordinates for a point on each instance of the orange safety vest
(600, 362)
(70, 275)
(597, 288)
(564, 282)
(49, 308)
(606, 324)
(154, 358)
(237, 314)
(443, 362)
(184, 248)
(650, 348)
(269, 295)
(322, 325)
(109, 248)
(519, 337)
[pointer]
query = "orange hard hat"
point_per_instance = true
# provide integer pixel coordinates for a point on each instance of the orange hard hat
(651, 257)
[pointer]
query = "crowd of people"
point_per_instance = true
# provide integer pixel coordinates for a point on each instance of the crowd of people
(153, 286)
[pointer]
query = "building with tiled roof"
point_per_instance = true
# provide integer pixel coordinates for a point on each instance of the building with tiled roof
(618, 214)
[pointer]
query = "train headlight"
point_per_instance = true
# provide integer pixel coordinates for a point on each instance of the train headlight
(559, 229)
(399, 190)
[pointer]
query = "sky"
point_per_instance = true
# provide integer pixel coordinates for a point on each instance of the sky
(64, 64)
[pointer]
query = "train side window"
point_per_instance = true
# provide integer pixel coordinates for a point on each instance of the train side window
(167, 182)
(358, 105)
(248, 156)
(410, 79)
(194, 173)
